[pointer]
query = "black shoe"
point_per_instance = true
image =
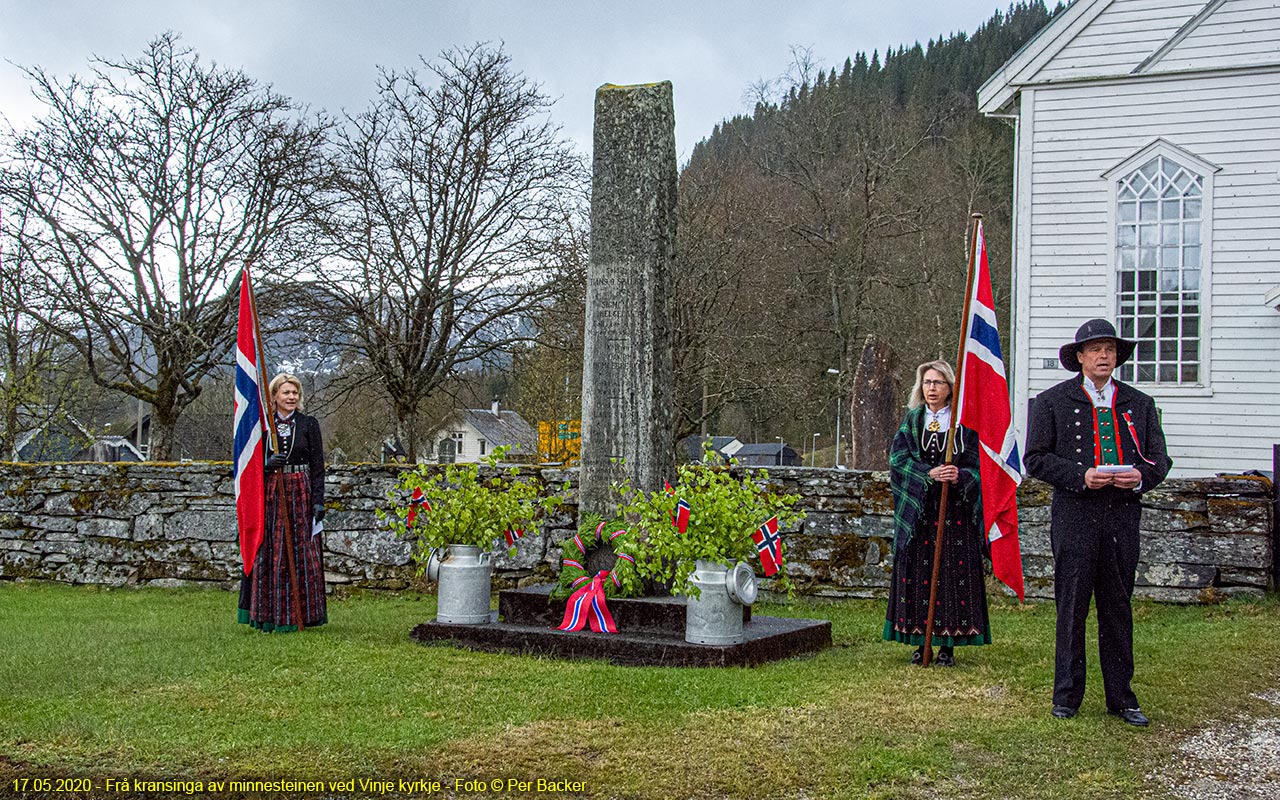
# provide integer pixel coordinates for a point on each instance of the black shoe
(946, 657)
(1132, 716)
(918, 656)
(1064, 712)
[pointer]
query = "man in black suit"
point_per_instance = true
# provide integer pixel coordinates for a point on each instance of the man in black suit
(1098, 442)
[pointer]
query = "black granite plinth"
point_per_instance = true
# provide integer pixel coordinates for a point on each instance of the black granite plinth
(650, 633)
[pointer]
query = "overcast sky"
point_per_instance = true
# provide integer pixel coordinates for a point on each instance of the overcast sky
(323, 53)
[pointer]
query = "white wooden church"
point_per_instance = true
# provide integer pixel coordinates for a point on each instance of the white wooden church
(1147, 191)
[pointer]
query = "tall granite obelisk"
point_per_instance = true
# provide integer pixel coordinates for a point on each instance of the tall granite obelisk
(626, 372)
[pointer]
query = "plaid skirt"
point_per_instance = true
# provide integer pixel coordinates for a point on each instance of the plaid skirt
(266, 594)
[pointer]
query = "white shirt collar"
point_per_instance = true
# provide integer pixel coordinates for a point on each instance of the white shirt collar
(1101, 397)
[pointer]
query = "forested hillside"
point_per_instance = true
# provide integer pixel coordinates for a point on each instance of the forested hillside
(835, 212)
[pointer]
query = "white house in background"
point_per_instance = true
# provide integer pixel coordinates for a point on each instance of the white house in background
(1147, 191)
(468, 435)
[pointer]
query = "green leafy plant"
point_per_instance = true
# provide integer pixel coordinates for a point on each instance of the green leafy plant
(468, 504)
(724, 512)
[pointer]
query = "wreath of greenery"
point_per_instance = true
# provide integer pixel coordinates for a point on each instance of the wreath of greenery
(623, 581)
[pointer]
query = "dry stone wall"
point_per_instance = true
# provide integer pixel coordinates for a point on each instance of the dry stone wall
(173, 525)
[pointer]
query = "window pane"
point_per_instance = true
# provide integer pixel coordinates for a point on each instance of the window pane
(1157, 261)
(1125, 373)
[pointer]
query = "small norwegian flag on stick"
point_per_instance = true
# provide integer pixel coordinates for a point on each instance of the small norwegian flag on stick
(416, 502)
(512, 534)
(769, 546)
(681, 518)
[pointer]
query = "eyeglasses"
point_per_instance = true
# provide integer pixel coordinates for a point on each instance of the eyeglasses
(935, 383)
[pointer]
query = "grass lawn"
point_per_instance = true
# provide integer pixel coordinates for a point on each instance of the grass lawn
(164, 684)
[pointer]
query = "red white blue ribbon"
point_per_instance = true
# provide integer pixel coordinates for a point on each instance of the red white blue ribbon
(587, 606)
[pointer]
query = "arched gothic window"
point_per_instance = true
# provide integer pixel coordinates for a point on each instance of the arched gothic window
(1160, 210)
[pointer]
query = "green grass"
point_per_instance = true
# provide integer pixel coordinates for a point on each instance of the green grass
(163, 684)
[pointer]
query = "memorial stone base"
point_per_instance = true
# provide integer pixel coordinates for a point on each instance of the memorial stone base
(650, 633)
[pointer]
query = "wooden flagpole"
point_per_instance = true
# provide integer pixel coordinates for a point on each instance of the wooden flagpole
(975, 220)
(282, 499)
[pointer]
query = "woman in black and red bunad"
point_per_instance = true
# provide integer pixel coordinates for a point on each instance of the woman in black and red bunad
(917, 473)
(294, 506)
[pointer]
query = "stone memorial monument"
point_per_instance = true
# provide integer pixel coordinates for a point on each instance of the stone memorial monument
(626, 374)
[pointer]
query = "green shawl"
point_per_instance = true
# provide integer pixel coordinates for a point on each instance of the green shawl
(909, 479)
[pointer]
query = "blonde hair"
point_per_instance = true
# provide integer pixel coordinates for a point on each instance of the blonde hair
(282, 379)
(916, 398)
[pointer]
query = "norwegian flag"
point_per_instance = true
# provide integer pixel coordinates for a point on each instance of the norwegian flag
(681, 518)
(249, 428)
(666, 487)
(769, 546)
(512, 534)
(984, 408)
(416, 502)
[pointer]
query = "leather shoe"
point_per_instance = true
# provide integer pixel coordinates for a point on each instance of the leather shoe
(1132, 716)
(1063, 712)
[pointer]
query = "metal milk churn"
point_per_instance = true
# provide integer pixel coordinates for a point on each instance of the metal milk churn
(715, 616)
(462, 591)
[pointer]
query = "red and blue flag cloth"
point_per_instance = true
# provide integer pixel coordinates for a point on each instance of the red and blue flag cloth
(666, 487)
(249, 429)
(681, 518)
(769, 546)
(984, 408)
(512, 534)
(417, 501)
(587, 606)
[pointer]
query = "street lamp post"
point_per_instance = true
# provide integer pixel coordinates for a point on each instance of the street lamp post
(813, 449)
(779, 438)
(836, 372)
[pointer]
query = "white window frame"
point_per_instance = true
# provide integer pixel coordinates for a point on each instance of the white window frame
(1206, 170)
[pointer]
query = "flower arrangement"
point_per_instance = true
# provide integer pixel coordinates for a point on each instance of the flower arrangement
(724, 512)
(594, 531)
(464, 505)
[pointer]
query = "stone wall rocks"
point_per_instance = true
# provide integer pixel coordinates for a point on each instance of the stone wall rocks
(1203, 539)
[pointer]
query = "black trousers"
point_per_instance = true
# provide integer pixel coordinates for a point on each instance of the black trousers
(1095, 556)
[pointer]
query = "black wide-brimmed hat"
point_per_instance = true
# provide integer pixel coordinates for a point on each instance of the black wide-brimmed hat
(1094, 329)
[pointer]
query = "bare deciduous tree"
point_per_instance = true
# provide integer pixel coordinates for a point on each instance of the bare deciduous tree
(453, 192)
(150, 182)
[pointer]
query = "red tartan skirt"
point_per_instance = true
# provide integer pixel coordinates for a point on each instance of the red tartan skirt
(266, 595)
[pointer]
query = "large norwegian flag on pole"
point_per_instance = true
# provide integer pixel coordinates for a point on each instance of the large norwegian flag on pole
(249, 426)
(984, 408)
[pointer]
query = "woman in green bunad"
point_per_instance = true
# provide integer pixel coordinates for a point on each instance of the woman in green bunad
(916, 476)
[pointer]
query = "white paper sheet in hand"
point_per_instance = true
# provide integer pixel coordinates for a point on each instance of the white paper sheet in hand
(1114, 467)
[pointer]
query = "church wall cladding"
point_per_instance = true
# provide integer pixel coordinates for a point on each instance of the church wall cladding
(1203, 540)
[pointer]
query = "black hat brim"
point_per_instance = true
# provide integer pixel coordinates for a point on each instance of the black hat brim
(1069, 360)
